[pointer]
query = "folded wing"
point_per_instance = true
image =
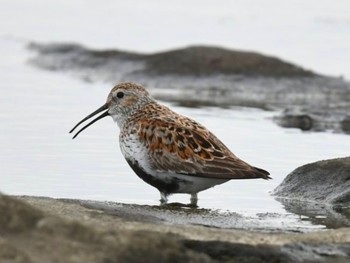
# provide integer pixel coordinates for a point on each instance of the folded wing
(183, 146)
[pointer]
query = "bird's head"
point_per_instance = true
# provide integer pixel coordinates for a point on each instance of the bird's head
(124, 99)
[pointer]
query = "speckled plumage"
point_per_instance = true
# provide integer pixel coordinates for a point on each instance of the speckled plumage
(167, 150)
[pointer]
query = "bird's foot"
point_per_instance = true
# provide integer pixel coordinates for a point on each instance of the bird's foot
(194, 201)
(163, 199)
(164, 202)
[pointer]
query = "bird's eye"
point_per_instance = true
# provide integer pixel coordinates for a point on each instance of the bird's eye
(120, 94)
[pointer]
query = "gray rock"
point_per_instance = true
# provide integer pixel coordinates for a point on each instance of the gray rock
(291, 118)
(193, 61)
(29, 235)
(81, 232)
(16, 216)
(325, 181)
(200, 75)
(291, 253)
(315, 118)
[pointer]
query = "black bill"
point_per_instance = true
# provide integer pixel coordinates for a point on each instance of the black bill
(104, 107)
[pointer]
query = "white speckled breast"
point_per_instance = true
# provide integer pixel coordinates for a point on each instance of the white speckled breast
(133, 150)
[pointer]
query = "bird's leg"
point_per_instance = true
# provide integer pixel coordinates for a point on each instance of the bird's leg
(194, 200)
(163, 198)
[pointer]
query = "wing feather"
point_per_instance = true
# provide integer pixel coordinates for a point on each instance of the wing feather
(181, 145)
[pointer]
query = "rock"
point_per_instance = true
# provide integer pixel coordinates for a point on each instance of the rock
(295, 120)
(193, 61)
(200, 75)
(10, 254)
(86, 231)
(15, 216)
(205, 60)
(325, 181)
(298, 252)
(315, 118)
(345, 124)
(49, 238)
(242, 253)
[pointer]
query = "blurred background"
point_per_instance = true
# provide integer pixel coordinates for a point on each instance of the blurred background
(60, 59)
(313, 34)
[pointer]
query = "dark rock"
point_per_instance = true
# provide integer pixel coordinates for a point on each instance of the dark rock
(315, 119)
(290, 253)
(240, 253)
(301, 121)
(325, 181)
(204, 60)
(311, 253)
(151, 247)
(345, 124)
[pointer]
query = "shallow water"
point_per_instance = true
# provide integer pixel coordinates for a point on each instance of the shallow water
(38, 156)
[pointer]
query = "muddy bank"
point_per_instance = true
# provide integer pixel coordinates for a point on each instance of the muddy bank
(200, 75)
(84, 232)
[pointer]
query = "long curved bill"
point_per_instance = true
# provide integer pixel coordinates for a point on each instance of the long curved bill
(104, 107)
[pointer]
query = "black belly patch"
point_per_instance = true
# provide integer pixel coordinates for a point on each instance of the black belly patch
(163, 186)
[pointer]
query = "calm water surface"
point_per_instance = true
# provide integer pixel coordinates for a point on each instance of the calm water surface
(38, 156)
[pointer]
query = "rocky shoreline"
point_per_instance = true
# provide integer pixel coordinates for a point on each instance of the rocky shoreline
(197, 76)
(42, 229)
(39, 229)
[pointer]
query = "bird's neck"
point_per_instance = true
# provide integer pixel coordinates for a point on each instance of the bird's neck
(128, 116)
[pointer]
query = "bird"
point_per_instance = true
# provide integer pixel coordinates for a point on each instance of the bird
(167, 150)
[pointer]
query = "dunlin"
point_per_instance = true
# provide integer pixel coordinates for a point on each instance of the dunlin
(169, 151)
